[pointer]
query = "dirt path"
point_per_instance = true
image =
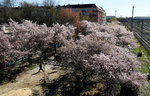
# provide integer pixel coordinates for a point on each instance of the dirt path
(28, 82)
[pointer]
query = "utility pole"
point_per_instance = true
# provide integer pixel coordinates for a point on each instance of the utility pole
(115, 13)
(132, 18)
(132, 11)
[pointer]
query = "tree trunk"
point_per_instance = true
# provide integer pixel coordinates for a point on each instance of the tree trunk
(127, 91)
(44, 53)
(30, 59)
(55, 48)
(2, 65)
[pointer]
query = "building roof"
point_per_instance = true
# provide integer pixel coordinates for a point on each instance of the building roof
(81, 6)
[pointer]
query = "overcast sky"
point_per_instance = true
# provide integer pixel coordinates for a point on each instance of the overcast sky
(122, 7)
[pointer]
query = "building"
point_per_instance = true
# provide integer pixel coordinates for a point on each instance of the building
(91, 10)
(110, 17)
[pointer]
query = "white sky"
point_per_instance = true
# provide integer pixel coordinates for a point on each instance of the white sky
(123, 7)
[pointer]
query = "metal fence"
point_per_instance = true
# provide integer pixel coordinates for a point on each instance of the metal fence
(141, 29)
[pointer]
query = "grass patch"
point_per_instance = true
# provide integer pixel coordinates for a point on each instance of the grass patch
(144, 64)
(2, 81)
(146, 53)
(144, 91)
(31, 67)
(63, 70)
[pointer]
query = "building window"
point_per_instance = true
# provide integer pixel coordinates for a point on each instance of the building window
(83, 10)
(95, 14)
(95, 10)
(87, 13)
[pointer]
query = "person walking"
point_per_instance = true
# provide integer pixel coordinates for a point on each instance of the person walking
(40, 67)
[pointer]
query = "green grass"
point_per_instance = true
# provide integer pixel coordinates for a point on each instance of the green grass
(144, 64)
(145, 52)
(144, 67)
(2, 81)
(144, 91)
(63, 70)
(31, 67)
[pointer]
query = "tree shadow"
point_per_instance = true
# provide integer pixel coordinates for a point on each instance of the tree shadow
(70, 84)
(52, 72)
(54, 68)
(35, 73)
(65, 85)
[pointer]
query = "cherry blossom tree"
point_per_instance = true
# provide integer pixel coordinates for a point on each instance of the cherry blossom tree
(100, 50)
(5, 50)
(96, 53)
(113, 33)
(62, 33)
(119, 67)
(30, 38)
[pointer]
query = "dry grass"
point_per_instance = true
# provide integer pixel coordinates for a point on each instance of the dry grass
(94, 89)
(19, 92)
(28, 81)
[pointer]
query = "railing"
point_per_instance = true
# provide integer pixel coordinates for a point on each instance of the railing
(141, 29)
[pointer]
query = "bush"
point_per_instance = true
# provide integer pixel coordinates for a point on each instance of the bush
(111, 20)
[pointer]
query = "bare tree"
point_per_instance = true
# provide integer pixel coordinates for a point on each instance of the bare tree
(9, 3)
(25, 4)
(7, 10)
(48, 2)
(1, 5)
